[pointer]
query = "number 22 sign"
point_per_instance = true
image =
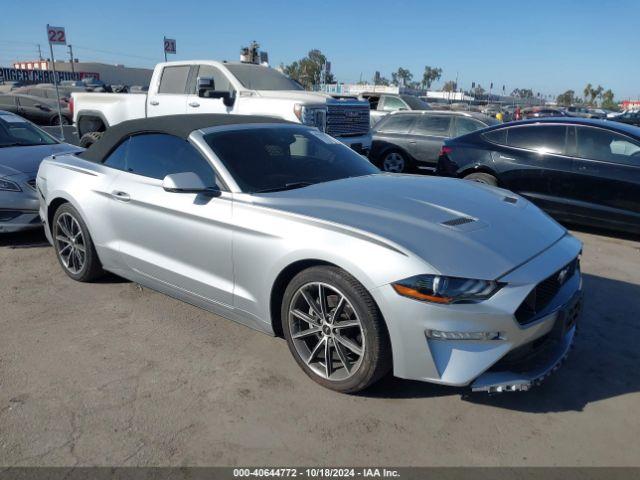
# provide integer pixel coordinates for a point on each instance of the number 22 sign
(56, 35)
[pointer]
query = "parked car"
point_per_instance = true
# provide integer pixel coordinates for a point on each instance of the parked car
(629, 117)
(40, 111)
(283, 228)
(224, 87)
(22, 148)
(410, 141)
(584, 171)
(583, 112)
(541, 112)
(384, 103)
(48, 92)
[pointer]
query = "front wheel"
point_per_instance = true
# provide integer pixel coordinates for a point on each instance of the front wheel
(334, 330)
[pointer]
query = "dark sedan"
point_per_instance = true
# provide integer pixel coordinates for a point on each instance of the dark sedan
(631, 118)
(39, 110)
(584, 171)
(410, 141)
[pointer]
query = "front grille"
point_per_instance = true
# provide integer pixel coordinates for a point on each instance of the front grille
(345, 120)
(542, 295)
(32, 183)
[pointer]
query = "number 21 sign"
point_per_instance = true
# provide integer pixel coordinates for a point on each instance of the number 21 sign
(56, 35)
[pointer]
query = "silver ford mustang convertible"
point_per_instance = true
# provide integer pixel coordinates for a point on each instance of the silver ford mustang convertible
(284, 229)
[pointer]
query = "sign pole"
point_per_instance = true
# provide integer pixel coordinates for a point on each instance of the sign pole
(164, 42)
(55, 82)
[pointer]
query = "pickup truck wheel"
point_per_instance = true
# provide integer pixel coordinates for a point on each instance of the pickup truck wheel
(90, 138)
(483, 178)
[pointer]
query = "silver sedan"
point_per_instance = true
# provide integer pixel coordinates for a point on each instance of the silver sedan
(282, 228)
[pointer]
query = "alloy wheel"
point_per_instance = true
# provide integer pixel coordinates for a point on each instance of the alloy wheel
(70, 243)
(394, 163)
(326, 331)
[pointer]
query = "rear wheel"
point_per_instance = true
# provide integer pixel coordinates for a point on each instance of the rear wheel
(90, 138)
(395, 162)
(485, 178)
(74, 247)
(334, 330)
(55, 120)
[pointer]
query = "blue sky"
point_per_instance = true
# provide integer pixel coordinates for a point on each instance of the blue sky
(549, 46)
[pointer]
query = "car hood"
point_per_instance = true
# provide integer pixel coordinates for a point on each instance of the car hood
(460, 228)
(17, 160)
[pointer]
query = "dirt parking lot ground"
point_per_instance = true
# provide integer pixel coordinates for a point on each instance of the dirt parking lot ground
(110, 374)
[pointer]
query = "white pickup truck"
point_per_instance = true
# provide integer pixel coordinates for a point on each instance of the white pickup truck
(224, 87)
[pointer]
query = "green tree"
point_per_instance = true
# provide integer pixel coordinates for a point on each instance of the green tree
(308, 70)
(449, 86)
(587, 91)
(607, 100)
(403, 76)
(430, 75)
(567, 98)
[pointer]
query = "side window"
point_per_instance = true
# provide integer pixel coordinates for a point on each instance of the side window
(158, 155)
(391, 104)
(542, 139)
(436, 125)
(397, 123)
(220, 82)
(174, 79)
(27, 102)
(117, 158)
(600, 144)
(466, 125)
(7, 100)
(496, 136)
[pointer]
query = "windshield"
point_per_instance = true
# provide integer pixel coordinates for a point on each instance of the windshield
(415, 103)
(16, 131)
(281, 158)
(256, 77)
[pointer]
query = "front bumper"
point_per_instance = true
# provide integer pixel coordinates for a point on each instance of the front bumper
(417, 356)
(19, 210)
(358, 143)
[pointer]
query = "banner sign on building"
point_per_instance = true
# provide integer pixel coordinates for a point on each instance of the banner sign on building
(35, 76)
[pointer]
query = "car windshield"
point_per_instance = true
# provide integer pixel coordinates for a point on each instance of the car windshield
(267, 159)
(16, 131)
(415, 103)
(256, 77)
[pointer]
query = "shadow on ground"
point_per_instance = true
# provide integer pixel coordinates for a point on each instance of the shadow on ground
(28, 239)
(603, 364)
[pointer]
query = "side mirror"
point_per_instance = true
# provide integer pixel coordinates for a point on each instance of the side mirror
(188, 182)
(227, 98)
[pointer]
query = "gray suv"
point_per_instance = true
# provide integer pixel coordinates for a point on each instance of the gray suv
(411, 141)
(384, 103)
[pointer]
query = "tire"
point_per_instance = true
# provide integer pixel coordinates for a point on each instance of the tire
(394, 161)
(80, 266)
(359, 347)
(485, 178)
(55, 120)
(90, 138)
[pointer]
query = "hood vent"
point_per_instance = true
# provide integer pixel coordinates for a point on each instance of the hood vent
(456, 222)
(510, 200)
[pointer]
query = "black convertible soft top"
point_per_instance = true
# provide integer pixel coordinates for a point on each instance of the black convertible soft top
(178, 125)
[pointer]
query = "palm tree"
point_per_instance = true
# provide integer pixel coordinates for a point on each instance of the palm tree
(587, 91)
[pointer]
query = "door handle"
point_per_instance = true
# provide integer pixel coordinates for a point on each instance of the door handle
(194, 104)
(154, 102)
(506, 158)
(412, 142)
(122, 196)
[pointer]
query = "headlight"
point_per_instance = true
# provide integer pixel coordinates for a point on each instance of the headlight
(439, 289)
(311, 116)
(9, 186)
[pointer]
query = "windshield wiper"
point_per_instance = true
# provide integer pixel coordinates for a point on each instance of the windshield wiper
(286, 186)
